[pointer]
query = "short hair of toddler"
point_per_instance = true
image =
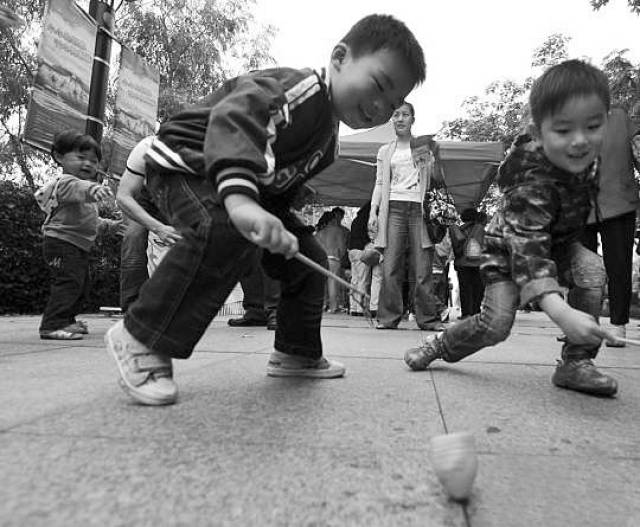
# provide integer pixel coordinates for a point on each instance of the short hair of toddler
(559, 83)
(376, 32)
(72, 140)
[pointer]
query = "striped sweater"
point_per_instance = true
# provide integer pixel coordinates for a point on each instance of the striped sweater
(262, 134)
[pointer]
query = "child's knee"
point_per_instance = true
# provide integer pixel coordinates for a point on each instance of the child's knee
(497, 326)
(589, 273)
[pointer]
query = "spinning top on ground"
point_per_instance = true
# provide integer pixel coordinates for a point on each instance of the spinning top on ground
(454, 460)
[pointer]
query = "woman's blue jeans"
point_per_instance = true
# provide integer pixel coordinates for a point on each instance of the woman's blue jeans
(178, 302)
(579, 268)
(133, 262)
(404, 236)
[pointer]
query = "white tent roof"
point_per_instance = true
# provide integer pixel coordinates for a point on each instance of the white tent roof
(469, 169)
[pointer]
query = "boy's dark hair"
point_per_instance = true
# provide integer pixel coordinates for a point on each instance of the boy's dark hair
(375, 32)
(563, 81)
(70, 140)
(338, 212)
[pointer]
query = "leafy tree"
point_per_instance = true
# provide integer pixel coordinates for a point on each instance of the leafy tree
(500, 114)
(18, 45)
(634, 5)
(624, 79)
(195, 44)
(495, 117)
(552, 51)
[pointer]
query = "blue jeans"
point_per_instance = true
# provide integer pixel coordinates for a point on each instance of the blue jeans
(178, 302)
(69, 268)
(578, 267)
(404, 227)
(133, 262)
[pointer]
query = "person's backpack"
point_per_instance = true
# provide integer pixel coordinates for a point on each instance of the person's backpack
(47, 198)
(474, 244)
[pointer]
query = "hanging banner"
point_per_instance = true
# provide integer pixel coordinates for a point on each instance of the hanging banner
(136, 107)
(60, 95)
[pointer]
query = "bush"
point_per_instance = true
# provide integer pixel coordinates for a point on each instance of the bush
(24, 277)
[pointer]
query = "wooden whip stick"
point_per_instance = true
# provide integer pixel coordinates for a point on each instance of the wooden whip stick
(316, 266)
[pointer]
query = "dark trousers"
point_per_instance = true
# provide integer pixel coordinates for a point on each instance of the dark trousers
(471, 290)
(69, 268)
(441, 287)
(178, 302)
(261, 292)
(133, 262)
(616, 235)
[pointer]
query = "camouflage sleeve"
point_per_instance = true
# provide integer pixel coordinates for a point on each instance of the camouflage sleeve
(529, 210)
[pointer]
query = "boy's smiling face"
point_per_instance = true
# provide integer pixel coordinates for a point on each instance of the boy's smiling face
(572, 137)
(366, 90)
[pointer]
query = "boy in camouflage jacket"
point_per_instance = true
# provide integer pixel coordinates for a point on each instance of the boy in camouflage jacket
(549, 181)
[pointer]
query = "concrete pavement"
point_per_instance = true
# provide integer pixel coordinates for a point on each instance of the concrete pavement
(240, 448)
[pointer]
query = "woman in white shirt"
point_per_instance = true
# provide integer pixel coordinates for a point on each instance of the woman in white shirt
(404, 173)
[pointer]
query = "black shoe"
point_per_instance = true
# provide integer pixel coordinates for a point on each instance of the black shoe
(582, 376)
(433, 326)
(246, 322)
(380, 325)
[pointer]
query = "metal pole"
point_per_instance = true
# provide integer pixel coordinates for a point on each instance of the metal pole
(102, 13)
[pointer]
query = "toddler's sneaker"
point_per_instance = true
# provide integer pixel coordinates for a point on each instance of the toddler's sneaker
(418, 359)
(285, 365)
(60, 334)
(144, 375)
(619, 331)
(582, 376)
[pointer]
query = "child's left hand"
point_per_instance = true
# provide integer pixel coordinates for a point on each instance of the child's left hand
(582, 328)
(119, 227)
(102, 193)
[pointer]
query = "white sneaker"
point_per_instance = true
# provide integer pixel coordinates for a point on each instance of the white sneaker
(144, 375)
(285, 365)
(619, 332)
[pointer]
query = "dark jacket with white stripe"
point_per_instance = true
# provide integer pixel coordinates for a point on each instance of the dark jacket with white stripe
(262, 134)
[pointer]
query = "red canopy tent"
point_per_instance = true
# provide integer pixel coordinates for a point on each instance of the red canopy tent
(469, 168)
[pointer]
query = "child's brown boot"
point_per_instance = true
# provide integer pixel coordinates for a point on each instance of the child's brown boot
(582, 376)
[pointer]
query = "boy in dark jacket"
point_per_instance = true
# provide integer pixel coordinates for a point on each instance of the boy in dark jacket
(225, 173)
(533, 244)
